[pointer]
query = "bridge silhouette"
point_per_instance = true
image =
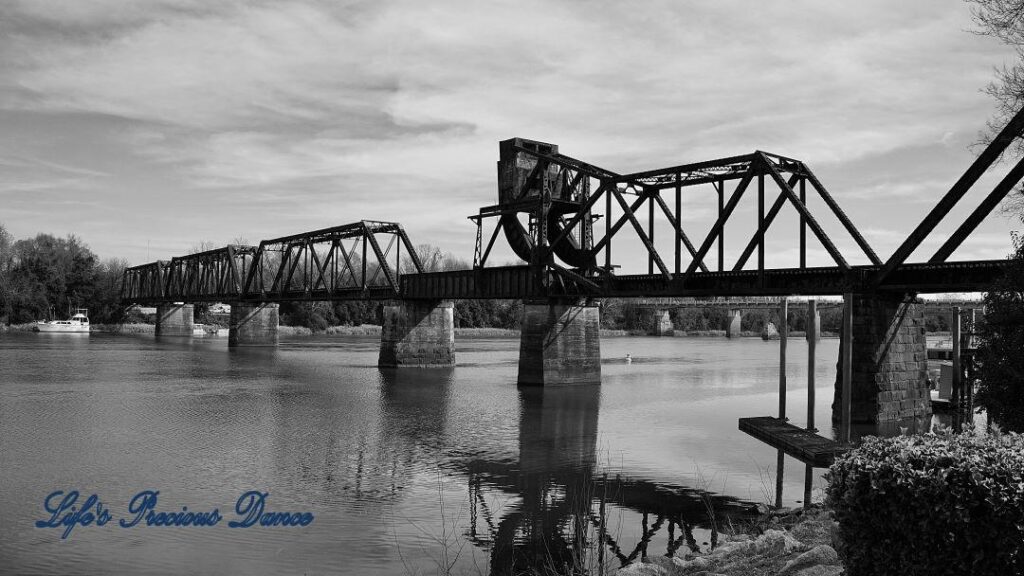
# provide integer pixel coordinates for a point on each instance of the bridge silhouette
(565, 219)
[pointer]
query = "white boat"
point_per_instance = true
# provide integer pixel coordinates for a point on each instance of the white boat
(76, 324)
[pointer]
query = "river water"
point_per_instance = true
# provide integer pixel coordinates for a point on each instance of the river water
(405, 472)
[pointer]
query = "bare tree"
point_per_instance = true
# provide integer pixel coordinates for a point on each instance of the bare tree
(1003, 19)
(430, 256)
(435, 260)
(203, 247)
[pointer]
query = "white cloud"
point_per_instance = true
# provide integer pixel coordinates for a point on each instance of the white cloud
(403, 102)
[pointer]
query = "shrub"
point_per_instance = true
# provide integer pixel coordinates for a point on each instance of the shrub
(946, 504)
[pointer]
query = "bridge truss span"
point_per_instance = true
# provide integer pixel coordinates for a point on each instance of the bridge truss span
(346, 262)
(562, 199)
(358, 261)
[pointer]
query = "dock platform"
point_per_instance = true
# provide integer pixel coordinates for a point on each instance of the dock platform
(799, 443)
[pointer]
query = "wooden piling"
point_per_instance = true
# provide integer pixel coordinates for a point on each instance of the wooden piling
(812, 343)
(808, 480)
(847, 355)
(601, 528)
(780, 464)
(957, 365)
(783, 333)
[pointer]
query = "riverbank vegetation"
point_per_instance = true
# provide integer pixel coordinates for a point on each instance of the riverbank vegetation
(931, 504)
(1000, 364)
(46, 276)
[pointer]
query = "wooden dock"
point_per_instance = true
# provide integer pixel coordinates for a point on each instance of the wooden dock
(799, 443)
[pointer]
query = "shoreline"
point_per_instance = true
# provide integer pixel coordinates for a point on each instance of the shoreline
(787, 541)
(374, 330)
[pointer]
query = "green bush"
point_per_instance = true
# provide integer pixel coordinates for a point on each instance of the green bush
(946, 504)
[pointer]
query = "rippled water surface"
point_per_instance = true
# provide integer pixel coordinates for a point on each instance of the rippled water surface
(406, 472)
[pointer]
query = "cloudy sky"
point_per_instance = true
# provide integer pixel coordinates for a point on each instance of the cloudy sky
(148, 126)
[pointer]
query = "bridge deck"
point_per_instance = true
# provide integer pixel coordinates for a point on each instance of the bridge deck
(799, 443)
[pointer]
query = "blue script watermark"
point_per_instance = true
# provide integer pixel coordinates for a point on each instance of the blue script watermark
(68, 509)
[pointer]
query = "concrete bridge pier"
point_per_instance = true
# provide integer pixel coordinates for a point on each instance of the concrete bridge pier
(418, 334)
(253, 324)
(174, 319)
(733, 326)
(560, 344)
(890, 363)
(661, 323)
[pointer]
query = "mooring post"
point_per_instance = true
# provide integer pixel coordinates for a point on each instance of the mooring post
(812, 342)
(601, 527)
(974, 329)
(783, 332)
(957, 365)
(971, 348)
(844, 421)
(780, 464)
(808, 480)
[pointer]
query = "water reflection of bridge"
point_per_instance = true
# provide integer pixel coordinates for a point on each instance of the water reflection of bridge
(550, 505)
(560, 515)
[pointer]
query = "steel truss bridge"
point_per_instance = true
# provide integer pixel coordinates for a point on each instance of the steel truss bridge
(561, 216)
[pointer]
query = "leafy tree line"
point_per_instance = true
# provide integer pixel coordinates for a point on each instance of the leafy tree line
(999, 360)
(1001, 335)
(46, 276)
(622, 314)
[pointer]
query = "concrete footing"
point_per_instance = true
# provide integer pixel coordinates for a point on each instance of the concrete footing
(253, 324)
(560, 344)
(174, 319)
(733, 326)
(661, 323)
(418, 334)
(890, 362)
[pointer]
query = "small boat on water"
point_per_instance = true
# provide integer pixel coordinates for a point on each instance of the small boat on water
(76, 324)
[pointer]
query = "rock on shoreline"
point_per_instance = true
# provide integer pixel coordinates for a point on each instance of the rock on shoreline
(797, 543)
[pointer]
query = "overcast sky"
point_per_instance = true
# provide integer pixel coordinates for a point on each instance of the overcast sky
(147, 126)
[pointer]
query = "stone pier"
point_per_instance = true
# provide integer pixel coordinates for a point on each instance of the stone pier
(890, 363)
(174, 319)
(253, 324)
(661, 323)
(733, 326)
(560, 344)
(418, 334)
